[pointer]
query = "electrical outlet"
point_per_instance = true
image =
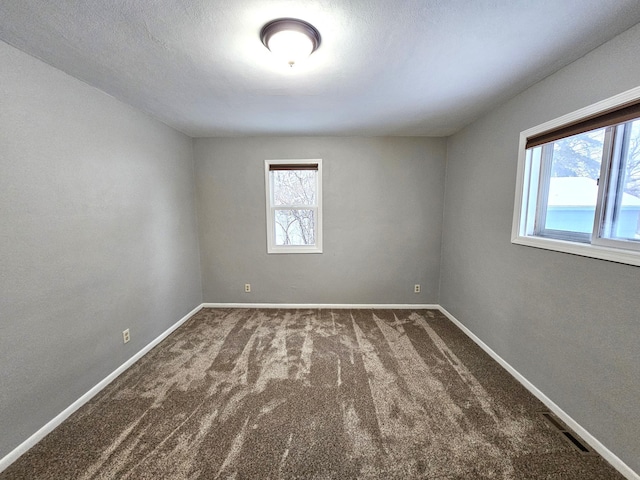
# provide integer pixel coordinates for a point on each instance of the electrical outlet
(126, 336)
(247, 287)
(416, 288)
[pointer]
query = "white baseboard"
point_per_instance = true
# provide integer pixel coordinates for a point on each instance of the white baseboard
(62, 416)
(607, 454)
(378, 306)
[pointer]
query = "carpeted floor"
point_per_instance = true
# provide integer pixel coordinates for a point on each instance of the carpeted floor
(311, 394)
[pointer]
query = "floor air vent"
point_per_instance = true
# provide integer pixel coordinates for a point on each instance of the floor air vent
(566, 434)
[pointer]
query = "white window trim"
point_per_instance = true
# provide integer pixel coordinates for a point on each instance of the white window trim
(601, 248)
(271, 247)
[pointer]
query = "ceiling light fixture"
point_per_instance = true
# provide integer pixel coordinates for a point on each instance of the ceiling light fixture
(290, 39)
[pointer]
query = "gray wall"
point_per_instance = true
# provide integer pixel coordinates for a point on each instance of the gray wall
(382, 214)
(97, 234)
(569, 324)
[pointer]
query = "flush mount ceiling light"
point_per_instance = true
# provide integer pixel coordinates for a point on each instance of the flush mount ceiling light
(290, 39)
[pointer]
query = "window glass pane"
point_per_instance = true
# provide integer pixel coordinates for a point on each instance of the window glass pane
(294, 187)
(624, 189)
(295, 227)
(573, 183)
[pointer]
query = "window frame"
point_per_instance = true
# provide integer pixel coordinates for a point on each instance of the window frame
(615, 250)
(270, 209)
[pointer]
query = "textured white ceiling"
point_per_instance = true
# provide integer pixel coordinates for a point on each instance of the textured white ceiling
(403, 67)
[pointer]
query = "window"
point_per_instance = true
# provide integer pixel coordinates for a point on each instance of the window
(294, 206)
(578, 188)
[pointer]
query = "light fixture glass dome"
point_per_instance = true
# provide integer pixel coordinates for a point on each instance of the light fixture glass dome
(290, 39)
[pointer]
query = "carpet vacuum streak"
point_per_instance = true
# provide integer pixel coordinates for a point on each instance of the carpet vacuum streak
(311, 394)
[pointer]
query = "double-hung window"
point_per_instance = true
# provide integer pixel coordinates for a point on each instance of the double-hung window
(578, 188)
(294, 206)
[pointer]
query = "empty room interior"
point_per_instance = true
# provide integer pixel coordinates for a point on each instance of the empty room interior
(320, 239)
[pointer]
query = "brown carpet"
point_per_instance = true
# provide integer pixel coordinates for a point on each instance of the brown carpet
(311, 394)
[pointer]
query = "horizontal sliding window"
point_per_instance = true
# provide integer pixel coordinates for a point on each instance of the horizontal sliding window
(579, 182)
(294, 206)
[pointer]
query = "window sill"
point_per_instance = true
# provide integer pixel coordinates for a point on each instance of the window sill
(628, 257)
(280, 250)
